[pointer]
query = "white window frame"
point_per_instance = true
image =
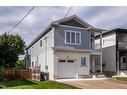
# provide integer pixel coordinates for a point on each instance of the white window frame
(75, 37)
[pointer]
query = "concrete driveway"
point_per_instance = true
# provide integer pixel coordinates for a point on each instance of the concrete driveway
(97, 84)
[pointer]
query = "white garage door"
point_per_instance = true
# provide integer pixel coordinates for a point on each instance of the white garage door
(66, 69)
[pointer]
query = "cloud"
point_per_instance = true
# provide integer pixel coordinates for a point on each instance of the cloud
(112, 17)
(40, 17)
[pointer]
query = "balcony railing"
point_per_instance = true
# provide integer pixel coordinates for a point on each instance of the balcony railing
(122, 45)
(96, 46)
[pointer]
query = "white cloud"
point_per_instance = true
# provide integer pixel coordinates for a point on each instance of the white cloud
(110, 18)
(40, 17)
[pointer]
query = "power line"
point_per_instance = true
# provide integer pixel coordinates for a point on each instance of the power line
(21, 20)
(68, 11)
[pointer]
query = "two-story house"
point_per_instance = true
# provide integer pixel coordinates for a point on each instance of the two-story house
(114, 52)
(66, 49)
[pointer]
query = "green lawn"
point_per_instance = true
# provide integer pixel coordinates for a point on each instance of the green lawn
(32, 84)
(121, 79)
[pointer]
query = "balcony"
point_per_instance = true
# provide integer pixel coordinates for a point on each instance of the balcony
(95, 46)
(122, 45)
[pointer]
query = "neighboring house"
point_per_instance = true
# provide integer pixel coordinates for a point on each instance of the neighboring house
(66, 49)
(114, 51)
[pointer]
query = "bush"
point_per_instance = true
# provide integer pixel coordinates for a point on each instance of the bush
(13, 78)
(1, 75)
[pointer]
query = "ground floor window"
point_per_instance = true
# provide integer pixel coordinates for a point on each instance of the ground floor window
(67, 61)
(62, 60)
(83, 61)
(71, 61)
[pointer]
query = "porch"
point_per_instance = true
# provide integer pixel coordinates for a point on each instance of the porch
(122, 62)
(96, 66)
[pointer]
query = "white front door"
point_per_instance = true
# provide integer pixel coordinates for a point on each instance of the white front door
(66, 69)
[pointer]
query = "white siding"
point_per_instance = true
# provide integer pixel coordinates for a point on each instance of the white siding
(74, 56)
(44, 53)
(109, 51)
(107, 41)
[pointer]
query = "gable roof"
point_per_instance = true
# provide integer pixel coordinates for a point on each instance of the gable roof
(58, 22)
(74, 17)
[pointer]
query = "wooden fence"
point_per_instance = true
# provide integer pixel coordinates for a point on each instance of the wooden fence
(17, 73)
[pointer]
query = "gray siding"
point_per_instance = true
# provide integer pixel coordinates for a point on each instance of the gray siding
(59, 38)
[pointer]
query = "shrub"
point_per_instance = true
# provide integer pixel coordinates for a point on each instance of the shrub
(1, 75)
(13, 78)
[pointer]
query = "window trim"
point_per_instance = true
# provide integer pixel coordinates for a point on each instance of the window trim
(75, 37)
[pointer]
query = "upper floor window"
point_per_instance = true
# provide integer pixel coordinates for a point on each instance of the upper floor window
(72, 37)
(40, 43)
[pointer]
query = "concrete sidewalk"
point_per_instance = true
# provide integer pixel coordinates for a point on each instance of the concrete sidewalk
(99, 83)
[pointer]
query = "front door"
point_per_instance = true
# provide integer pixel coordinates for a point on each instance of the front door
(123, 63)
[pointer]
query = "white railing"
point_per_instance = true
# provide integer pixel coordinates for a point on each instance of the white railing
(97, 46)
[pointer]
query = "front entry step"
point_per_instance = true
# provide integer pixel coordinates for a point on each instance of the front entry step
(98, 75)
(84, 76)
(95, 75)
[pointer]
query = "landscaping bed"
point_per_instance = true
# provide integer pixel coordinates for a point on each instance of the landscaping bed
(121, 79)
(32, 84)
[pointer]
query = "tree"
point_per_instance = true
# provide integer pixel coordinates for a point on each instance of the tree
(20, 64)
(11, 46)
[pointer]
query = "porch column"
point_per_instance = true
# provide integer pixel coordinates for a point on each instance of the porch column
(93, 64)
(118, 72)
(101, 51)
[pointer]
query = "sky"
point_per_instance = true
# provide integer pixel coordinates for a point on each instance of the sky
(98, 16)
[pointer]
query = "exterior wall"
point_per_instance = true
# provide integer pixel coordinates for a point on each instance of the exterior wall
(109, 52)
(59, 38)
(109, 58)
(72, 23)
(123, 37)
(108, 40)
(41, 55)
(75, 56)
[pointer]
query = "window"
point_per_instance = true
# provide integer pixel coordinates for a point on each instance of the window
(83, 61)
(40, 43)
(72, 37)
(71, 61)
(124, 60)
(62, 60)
(77, 38)
(68, 40)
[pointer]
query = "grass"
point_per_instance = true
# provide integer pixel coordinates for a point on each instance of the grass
(32, 84)
(122, 79)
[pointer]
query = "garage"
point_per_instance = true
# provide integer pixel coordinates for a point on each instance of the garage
(66, 68)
